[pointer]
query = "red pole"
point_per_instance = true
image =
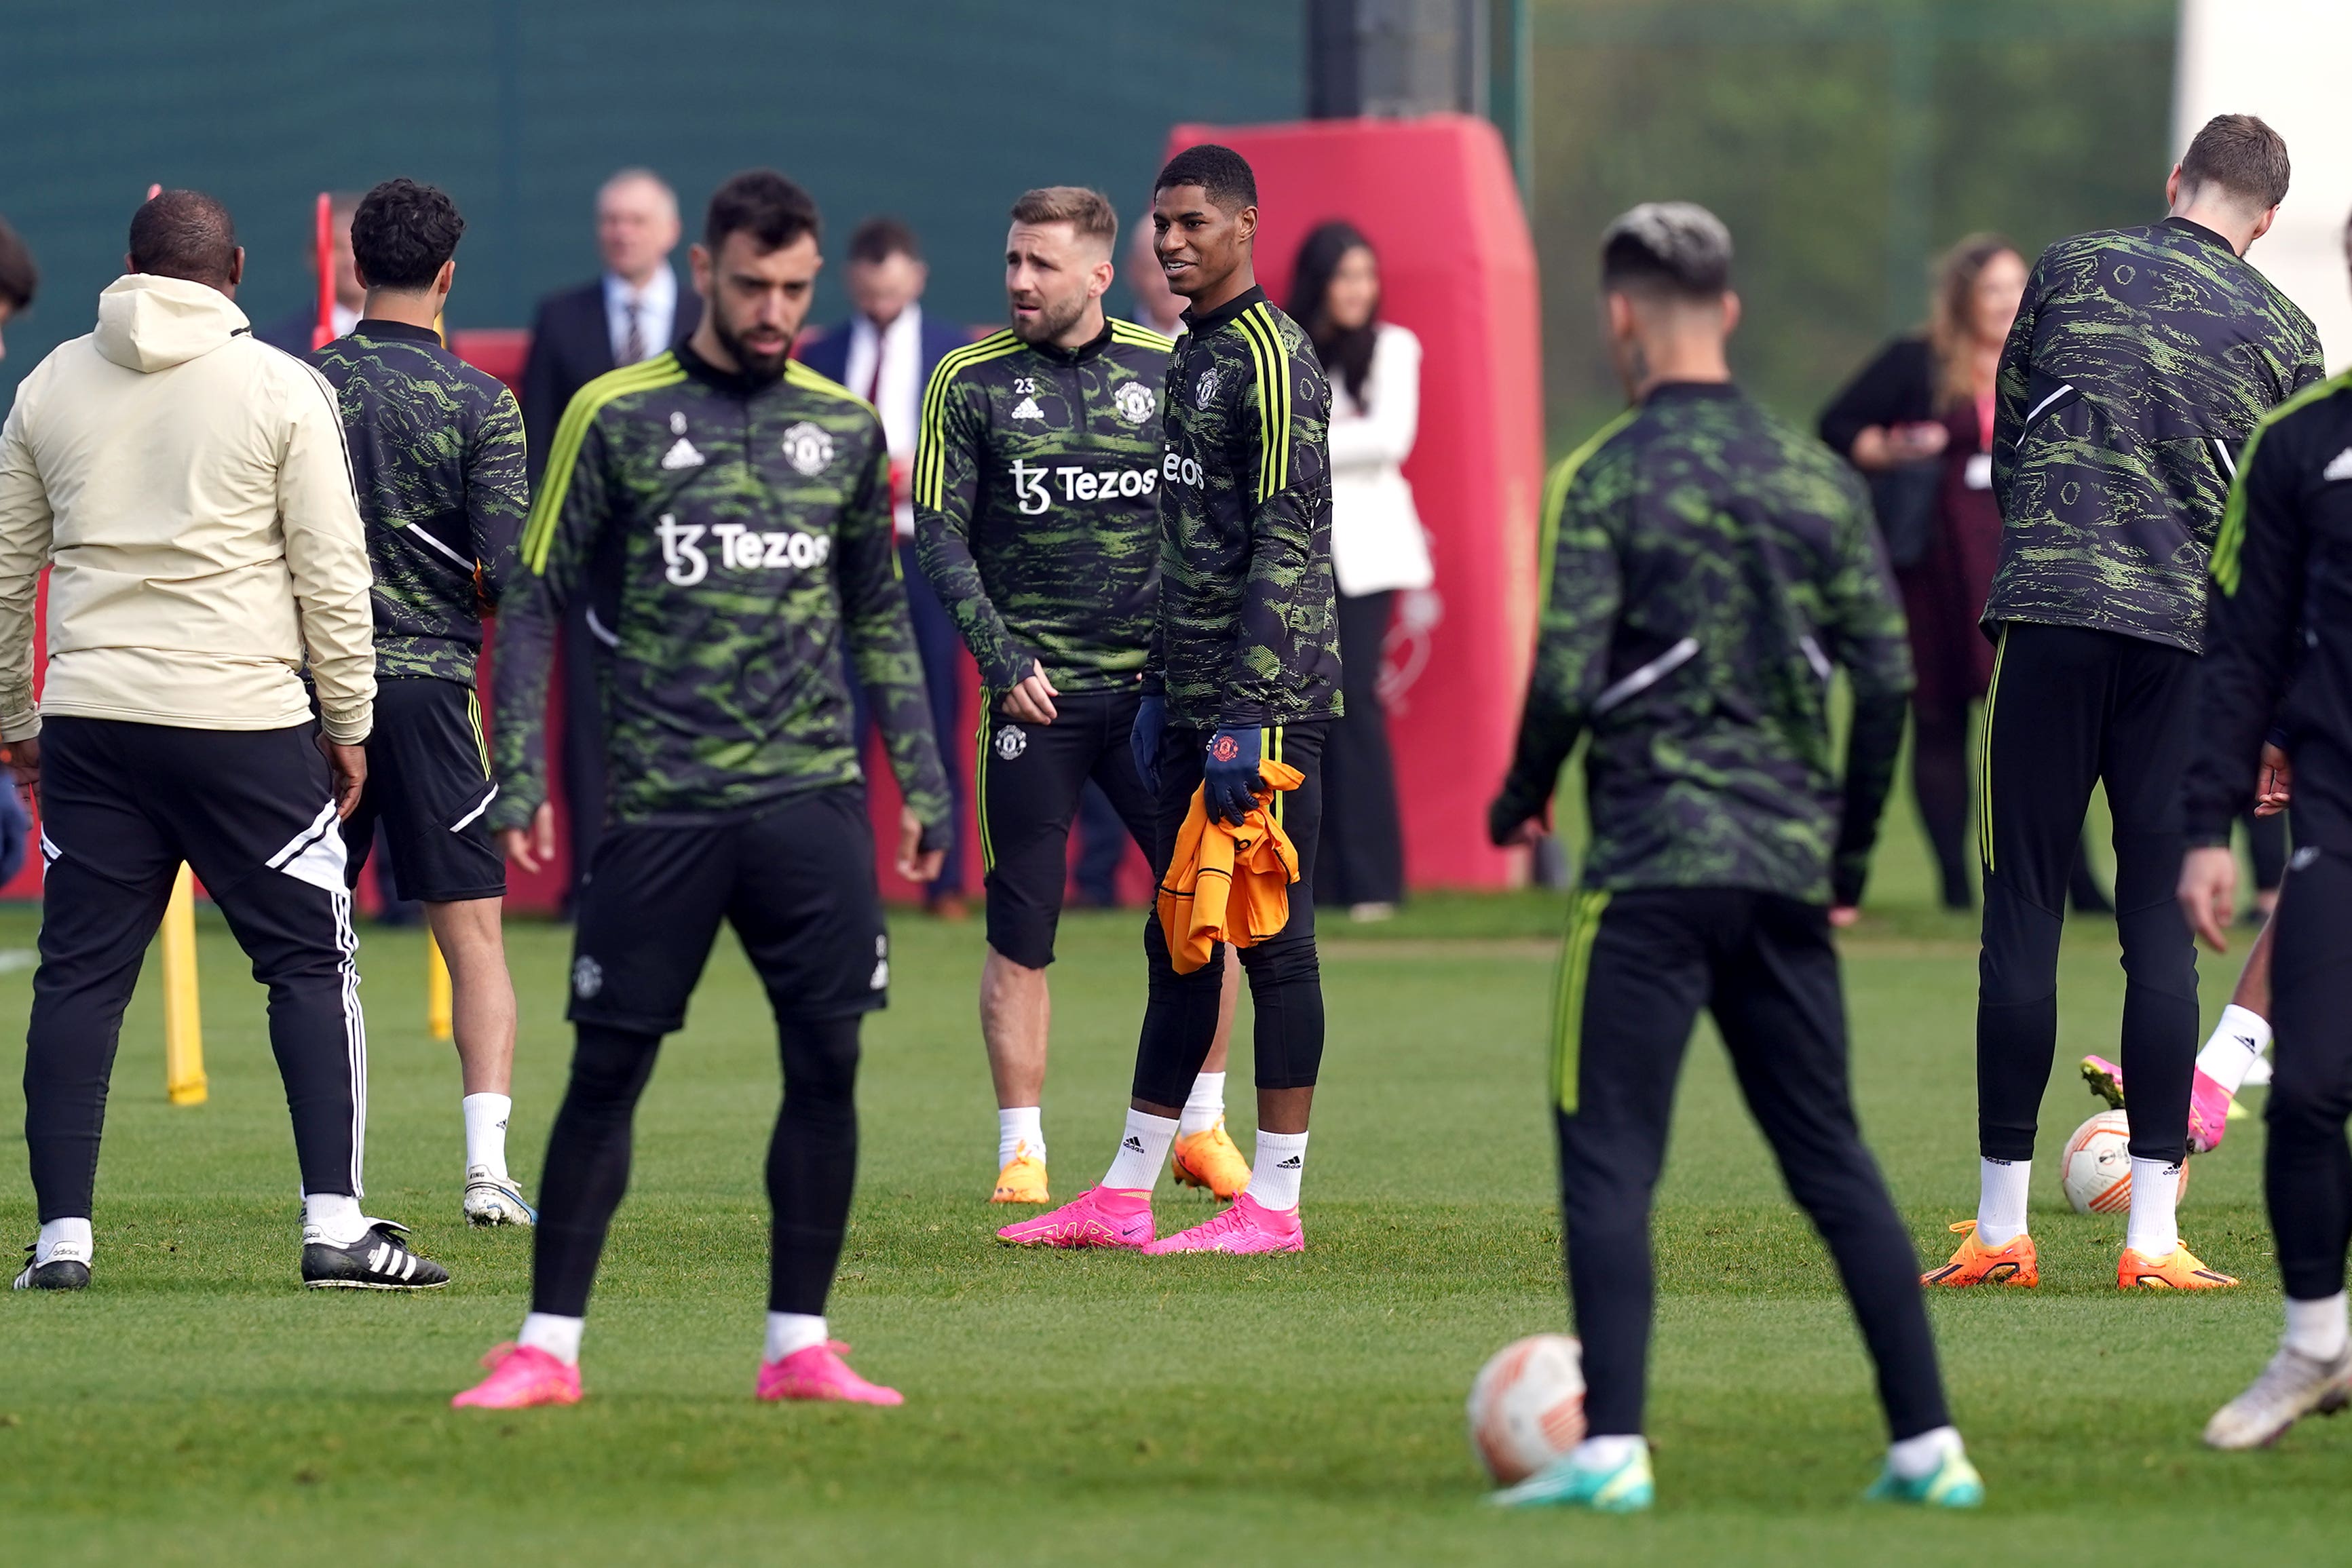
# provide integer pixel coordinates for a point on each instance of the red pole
(323, 247)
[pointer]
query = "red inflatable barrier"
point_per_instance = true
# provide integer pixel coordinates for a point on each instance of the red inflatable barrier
(1437, 198)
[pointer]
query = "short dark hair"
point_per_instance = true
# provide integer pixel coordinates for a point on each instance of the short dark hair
(19, 279)
(1676, 248)
(763, 204)
(184, 235)
(1223, 174)
(402, 232)
(880, 238)
(2242, 155)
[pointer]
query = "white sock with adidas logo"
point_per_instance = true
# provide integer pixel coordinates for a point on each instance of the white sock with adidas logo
(2237, 1043)
(68, 1239)
(1142, 1150)
(1274, 1176)
(333, 1218)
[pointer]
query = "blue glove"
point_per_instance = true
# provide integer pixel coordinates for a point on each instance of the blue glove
(1229, 775)
(1143, 738)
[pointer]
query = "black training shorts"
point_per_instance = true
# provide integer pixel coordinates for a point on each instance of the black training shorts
(1030, 778)
(796, 882)
(428, 782)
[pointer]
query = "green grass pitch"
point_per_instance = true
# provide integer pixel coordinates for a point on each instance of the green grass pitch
(195, 1407)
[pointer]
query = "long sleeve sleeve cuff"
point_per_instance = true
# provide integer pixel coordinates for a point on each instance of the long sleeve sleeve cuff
(350, 725)
(20, 723)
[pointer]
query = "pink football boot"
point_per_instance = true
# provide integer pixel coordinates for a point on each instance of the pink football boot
(521, 1377)
(1245, 1227)
(819, 1372)
(1098, 1216)
(2208, 1114)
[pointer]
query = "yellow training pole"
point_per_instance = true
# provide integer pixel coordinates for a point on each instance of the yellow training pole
(437, 1002)
(184, 1026)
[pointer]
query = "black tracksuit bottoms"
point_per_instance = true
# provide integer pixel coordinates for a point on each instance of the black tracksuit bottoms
(1638, 967)
(1285, 978)
(2306, 1166)
(2069, 708)
(122, 805)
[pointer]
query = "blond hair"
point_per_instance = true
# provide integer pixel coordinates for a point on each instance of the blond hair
(1087, 212)
(1951, 318)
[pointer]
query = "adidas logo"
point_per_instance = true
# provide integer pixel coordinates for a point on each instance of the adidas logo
(1132, 1144)
(386, 1258)
(1292, 1164)
(2341, 468)
(1027, 408)
(681, 455)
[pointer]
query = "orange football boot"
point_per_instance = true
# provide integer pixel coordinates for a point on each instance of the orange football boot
(2178, 1270)
(1023, 1179)
(1978, 1264)
(1210, 1160)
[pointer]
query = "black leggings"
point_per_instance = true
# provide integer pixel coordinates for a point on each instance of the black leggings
(812, 1163)
(2306, 1166)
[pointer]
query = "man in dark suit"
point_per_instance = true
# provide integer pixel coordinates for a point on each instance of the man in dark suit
(294, 331)
(636, 309)
(885, 353)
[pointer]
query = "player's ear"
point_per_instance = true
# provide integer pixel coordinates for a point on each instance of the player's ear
(1245, 223)
(2262, 225)
(236, 268)
(447, 279)
(697, 261)
(1730, 312)
(1098, 282)
(2172, 187)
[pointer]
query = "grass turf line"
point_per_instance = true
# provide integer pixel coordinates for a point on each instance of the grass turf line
(195, 1407)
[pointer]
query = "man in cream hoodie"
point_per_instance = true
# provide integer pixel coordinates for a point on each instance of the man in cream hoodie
(190, 488)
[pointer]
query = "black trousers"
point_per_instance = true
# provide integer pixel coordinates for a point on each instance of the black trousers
(122, 805)
(1637, 968)
(1285, 978)
(2070, 709)
(1361, 858)
(2306, 1166)
(797, 883)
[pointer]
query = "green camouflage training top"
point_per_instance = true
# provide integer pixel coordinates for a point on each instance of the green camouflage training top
(1037, 504)
(1246, 635)
(1712, 568)
(2140, 362)
(436, 455)
(736, 532)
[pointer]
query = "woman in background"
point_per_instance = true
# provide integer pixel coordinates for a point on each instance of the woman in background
(1918, 422)
(1377, 548)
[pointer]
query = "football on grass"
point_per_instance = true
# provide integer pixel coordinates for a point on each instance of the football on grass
(1526, 1408)
(2096, 1169)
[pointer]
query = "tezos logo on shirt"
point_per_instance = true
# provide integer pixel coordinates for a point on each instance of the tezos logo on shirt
(686, 563)
(808, 448)
(1029, 484)
(1180, 470)
(1135, 401)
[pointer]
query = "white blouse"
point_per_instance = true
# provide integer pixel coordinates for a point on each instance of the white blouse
(1377, 542)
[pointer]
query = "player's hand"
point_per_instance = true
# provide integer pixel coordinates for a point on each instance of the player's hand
(917, 863)
(347, 771)
(1507, 828)
(1143, 739)
(2209, 892)
(1229, 778)
(1843, 916)
(533, 847)
(1031, 701)
(2274, 786)
(24, 762)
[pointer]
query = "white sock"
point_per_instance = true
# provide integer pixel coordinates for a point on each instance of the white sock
(1021, 1124)
(2155, 1187)
(1142, 1150)
(2316, 1329)
(2000, 1200)
(2237, 1043)
(1915, 1458)
(1603, 1453)
(2258, 1073)
(68, 1239)
(486, 1130)
(333, 1218)
(791, 1332)
(559, 1337)
(1204, 1107)
(1273, 1175)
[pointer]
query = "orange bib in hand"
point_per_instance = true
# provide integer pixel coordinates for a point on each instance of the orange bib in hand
(1229, 884)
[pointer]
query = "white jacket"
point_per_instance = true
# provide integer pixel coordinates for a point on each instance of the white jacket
(191, 486)
(1376, 538)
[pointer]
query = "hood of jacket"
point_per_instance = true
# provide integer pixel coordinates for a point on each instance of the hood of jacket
(147, 323)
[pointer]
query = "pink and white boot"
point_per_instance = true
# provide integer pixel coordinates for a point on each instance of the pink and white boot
(1098, 1216)
(1246, 1226)
(818, 1372)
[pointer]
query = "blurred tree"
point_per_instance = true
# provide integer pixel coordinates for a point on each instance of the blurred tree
(1845, 143)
